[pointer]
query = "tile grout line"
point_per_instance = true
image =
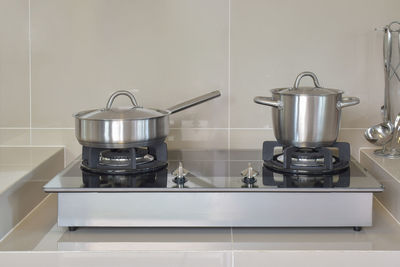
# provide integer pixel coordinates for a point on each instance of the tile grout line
(185, 128)
(229, 72)
(232, 251)
(229, 83)
(30, 69)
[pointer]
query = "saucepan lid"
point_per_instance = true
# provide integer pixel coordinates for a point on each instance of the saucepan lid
(315, 90)
(135, 112)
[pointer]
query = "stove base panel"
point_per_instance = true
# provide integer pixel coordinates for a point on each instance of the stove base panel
(215, 209)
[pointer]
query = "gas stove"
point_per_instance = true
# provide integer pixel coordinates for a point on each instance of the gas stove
(220, 188)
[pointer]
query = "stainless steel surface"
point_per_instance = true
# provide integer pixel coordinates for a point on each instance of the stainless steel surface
(379, 134)
(121, 133)
(268, 101)
(347, 102)
(306, 116)
(127, 127)
(215, 209)
(214, 194)
(387, 55)
(194, 101)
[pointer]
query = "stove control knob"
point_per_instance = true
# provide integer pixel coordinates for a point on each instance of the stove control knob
(249, 175)
(180, 174)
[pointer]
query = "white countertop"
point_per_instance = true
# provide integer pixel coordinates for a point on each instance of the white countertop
(18, 162)
(387, 172)
(23, 172)
(390, 166)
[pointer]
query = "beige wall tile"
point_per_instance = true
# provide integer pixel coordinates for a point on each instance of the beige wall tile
(169, 51)
(14, 63)
(356, 139)
(273, 41)
(250, 139)
(58, 137)
(14, 137)
(205, 139)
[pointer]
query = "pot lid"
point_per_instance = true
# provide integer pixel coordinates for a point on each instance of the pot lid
(317, 90)
(121, 113)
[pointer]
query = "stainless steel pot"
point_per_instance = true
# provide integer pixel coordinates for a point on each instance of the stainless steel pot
(306, 116)
(128, 127)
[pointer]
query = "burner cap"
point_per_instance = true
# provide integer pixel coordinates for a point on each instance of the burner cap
(118, 157)
(304, 160)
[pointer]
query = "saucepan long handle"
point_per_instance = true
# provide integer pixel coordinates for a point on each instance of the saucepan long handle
(194, 101)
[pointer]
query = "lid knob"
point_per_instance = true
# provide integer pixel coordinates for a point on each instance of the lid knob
(118, 93)
(304, 74)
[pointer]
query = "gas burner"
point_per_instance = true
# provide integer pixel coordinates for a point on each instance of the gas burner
(307, 161)
(286, 180)
(121, 158)
(144, 180)
(124, 161)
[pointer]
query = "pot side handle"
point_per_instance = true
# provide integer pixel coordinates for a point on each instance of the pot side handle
(348, 101)
(268, 101)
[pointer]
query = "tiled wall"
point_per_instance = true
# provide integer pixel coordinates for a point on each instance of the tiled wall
(58, 57)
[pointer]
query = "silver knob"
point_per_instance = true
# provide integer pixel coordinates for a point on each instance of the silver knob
(249, 175)
(180, 174)
(249, 172)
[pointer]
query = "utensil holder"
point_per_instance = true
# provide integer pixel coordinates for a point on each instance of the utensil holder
(391, 108)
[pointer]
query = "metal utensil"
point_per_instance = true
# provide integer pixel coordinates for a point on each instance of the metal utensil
(306, 116)
(387, 54)
(379, 134)
(128, 127)
(392, 149)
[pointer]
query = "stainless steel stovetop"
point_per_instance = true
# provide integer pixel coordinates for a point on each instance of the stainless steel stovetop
(212, 171)
(214, 195)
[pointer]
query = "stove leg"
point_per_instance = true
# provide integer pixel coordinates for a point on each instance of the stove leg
(72, 228)
(357, 228)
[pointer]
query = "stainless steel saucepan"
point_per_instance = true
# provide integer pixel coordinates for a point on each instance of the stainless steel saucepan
(128, 127)
(306, 116)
